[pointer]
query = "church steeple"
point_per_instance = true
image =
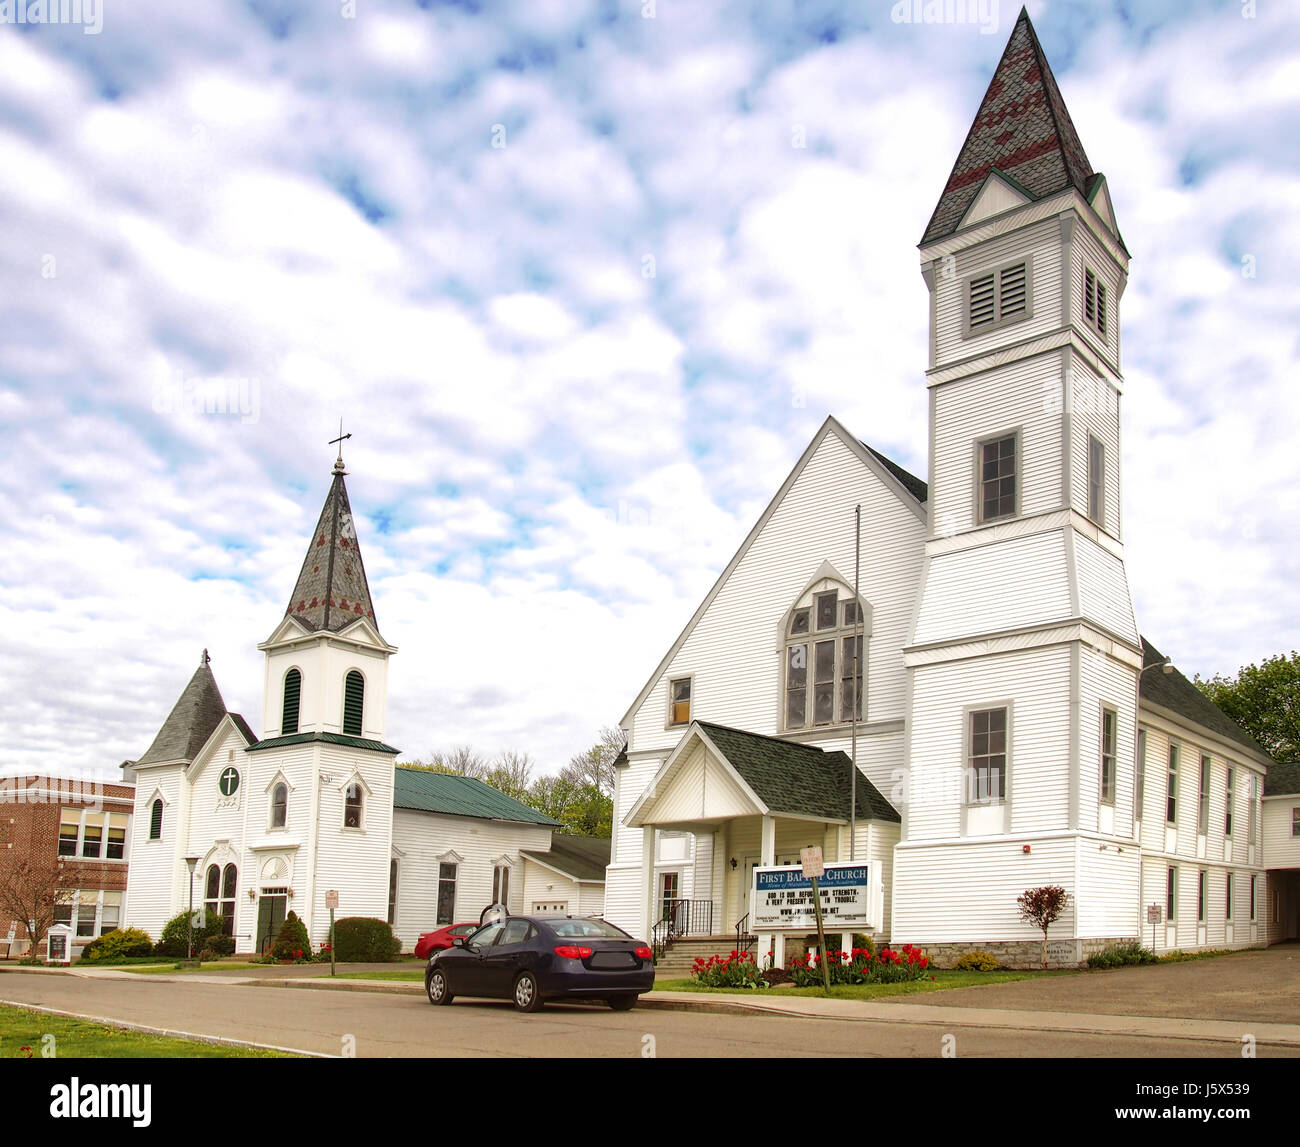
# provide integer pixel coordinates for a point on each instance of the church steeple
(1022, 129)
(331, 591)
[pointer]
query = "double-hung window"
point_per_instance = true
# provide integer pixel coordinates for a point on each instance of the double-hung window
(501, 884)
(1227, 812)
(1203, 807)
(987, 764)
(446, 892)
(1140, 783)
(997, 477)
(1096, 480)
(1109, 725)
(1171, 793)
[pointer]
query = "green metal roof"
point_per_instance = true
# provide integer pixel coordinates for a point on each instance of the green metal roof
(802, 779)
(449, 793)
(328, 738)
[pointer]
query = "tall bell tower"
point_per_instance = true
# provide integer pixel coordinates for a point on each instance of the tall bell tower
(1024, 653)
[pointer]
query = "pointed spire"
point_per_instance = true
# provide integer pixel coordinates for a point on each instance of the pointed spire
(197, 711)
(331, 591)
(1022, 128)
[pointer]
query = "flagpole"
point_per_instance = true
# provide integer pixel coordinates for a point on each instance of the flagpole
(857, 624)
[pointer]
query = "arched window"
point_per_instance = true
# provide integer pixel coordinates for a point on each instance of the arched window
(279, 805)
(354, 695)
(292, 693)
(352, 806)
(824, 658)
(155, 820)
(220, 894)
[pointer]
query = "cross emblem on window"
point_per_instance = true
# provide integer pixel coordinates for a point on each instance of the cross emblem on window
(229, 781)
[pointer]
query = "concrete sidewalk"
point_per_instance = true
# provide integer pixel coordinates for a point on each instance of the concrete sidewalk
(892, 1011)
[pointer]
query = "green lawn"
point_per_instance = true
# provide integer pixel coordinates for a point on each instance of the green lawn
(943, 981)
(410, 975)
(172, 970)
(80, 1039)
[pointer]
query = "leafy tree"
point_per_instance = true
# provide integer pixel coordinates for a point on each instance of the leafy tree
(1264, 700)
(1042, 907)
(30, 888)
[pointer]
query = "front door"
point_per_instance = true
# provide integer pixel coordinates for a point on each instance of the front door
(669, 902)
(272, 907)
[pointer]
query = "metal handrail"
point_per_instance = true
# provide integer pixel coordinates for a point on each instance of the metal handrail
(744, 940)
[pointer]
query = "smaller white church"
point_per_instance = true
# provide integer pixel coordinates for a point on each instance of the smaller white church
(255, 827)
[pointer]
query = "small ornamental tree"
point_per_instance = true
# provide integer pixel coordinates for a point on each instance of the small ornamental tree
(1042, 907)
(292, 943)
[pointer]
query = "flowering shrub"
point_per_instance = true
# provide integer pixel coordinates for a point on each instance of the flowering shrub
(735, 971)
(888, 966)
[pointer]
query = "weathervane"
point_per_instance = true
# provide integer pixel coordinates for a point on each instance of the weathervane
(338, 462)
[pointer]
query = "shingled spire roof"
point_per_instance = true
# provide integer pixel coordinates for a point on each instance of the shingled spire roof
(331, 591)
(1022, 129)
(198, 711)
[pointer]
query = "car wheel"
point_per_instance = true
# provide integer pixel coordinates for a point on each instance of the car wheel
(528, 996)
(622, 1003)
(435, 985)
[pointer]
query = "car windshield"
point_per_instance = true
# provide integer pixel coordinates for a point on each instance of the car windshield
(587, 928)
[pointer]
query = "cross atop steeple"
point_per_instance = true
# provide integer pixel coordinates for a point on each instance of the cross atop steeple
(338, 462)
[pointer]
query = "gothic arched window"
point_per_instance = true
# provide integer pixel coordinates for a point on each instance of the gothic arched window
(155, 820)
(352, 806)
(825, 656)
(279, 805)
(354, 695)
(292, 694)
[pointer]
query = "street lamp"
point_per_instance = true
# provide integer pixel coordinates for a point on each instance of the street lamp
(189, 946)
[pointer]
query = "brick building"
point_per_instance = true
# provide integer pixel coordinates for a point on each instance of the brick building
(84, 828)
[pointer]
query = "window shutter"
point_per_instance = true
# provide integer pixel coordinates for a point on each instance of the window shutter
(1101, 309)
(1012, 290)
(155, 821)
(981, 300)
(353, 702)
(1089, 296)
(292, 691)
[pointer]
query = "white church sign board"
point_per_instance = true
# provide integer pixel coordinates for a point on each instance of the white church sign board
(851, 896)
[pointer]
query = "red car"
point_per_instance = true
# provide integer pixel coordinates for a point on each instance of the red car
(442, 938)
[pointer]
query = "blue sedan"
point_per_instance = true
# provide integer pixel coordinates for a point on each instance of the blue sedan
(532, 959)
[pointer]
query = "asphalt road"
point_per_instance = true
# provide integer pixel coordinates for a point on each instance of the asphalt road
(375, 1025)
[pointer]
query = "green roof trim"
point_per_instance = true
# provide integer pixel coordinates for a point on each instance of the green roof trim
(327, 738)
(423, 791)
(798, 779)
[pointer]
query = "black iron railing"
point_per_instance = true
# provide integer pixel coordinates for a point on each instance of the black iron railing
(680, 918)
(744, 939)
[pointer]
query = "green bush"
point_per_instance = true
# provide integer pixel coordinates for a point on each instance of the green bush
(977, 961)
(865, 942)
(175, 933)
(292, 943)
(360, 939)
(121, 943)
(1119, 955)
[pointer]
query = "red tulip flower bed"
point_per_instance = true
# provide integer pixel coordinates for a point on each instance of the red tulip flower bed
(735, 971)
(888, 966)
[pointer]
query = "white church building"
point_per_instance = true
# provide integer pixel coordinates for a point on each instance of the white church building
(1013, 729)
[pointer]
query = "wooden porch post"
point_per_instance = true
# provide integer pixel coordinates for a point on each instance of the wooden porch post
(767, 851)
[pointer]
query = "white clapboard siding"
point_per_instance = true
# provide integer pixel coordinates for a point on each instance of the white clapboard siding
(423, 839)
(1281, 849)
(1103, 588)
(1094, 411)
(966, 893)
(1087, 252)
(156, 872)
(1041, 245)
(735, 652)
(1024, 396)
(1105, 683)
(1035, 684)
(1019, 582)
(1108, 883)
(545, 886)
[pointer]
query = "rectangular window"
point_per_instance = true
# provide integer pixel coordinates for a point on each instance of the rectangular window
(997, 296)
(92, 837)
(115, 849)
(1141, 786)
(446, 893)
(1252, 821)
(988, 755)
(851, 682)
(1171, 894)
(392, 891)
(69, 828)
(826, 609)
(1200, 897)
(1227, 811)
(1295, 822)
(796, 686)
(65, 910)
(1171, 792)
(1227, 898)
(89, 901)
(824, 683)
(1109, 726)
(851, 616)
(1094, 302)
(501, 884)
(1203, 807)
(1254, 888)
(112, 911)
(681, 695)
(1096, 480)
(997, 478)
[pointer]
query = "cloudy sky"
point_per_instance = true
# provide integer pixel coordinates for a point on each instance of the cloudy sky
(582, 301)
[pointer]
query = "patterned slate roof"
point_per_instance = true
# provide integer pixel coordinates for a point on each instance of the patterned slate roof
(582, 857)
(197, 711)
(455, 795)
(1173, 691)
(328, 738)
(331, 591)
(792, 778)
(914, 486)
(1022, 128)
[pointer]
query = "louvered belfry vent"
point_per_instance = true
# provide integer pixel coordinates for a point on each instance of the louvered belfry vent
(981, 301)
(1013, 290)
(354, 693)
(292, 692)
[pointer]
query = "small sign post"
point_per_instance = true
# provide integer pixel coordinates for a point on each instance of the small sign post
(332, 902)
(1153, 918)
(811, 859)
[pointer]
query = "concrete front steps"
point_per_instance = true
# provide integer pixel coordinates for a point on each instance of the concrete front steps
(677, 962)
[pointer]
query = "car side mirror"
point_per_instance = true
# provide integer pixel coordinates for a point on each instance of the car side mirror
(460, 941)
